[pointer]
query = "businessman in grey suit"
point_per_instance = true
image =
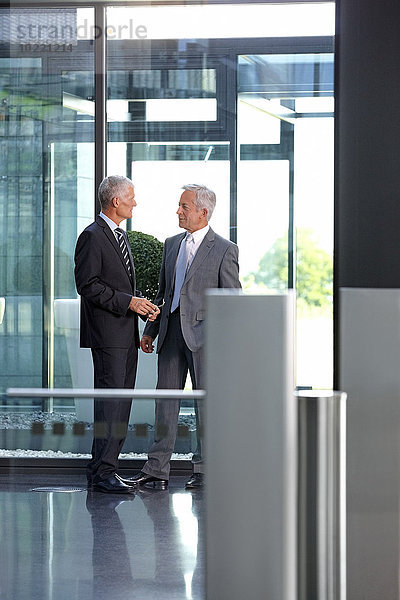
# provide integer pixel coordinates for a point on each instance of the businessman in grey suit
(110, 305)
(192, 262)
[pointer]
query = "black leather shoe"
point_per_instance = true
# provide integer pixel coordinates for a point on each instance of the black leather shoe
(144, 479)
(195, 482)
(113, 485)
(127, 480)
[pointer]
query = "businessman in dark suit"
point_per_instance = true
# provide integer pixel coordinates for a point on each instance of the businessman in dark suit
(105, 280)
(192, 262)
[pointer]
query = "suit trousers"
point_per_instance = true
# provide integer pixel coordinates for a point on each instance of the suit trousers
(113, 368)
(174, 361)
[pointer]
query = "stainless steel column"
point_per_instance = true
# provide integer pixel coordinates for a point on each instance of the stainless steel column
(321, 495)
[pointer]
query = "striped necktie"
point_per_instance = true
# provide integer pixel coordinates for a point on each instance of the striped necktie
(124, 249)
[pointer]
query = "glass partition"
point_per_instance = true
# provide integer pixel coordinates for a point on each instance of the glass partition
(285, 180)
(46, 197)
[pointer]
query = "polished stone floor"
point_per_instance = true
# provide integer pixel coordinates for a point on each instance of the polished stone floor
(66, 544)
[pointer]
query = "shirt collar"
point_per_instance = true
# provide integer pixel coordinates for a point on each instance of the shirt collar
(199, 235)
(113, 226)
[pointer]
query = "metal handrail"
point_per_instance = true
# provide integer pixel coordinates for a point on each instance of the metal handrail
(89, 393)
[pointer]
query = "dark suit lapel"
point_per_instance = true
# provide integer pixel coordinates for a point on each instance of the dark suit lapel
(202, 253)
(111, 237)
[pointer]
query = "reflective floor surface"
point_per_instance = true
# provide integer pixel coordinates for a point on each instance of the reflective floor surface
(70, 545)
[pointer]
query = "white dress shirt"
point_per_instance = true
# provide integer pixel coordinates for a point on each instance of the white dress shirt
(198, 237)
(113, 226)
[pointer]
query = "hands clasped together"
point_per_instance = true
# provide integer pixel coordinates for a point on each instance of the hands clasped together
(144, 307)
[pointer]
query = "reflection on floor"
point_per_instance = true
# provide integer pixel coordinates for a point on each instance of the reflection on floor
(77, 544)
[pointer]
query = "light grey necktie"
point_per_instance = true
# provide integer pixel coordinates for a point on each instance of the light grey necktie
(182, 263)
(124, 249)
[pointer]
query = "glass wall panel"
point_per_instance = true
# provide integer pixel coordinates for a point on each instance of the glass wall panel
(313, 202)
(46, 198)
(162, 95)
(21, 204)
(285, 194)
(239, 97)
(222, 21)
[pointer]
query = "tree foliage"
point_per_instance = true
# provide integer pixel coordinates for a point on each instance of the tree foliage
(314, 269)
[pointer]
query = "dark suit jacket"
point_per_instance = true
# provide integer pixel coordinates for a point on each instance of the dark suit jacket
(214, 266)
(106, 289)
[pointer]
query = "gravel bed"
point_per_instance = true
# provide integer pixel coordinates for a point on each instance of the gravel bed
(9, 420)
(57, 454)
(24, 421)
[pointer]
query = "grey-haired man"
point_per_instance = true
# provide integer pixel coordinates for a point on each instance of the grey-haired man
(192, 263)
(110, 305)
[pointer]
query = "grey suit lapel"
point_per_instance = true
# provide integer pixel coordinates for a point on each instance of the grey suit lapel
(172, 256)
(201, 253)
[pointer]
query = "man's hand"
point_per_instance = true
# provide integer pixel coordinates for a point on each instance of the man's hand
(146, 344)
(142, 306)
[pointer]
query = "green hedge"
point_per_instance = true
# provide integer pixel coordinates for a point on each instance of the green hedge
(147, 255)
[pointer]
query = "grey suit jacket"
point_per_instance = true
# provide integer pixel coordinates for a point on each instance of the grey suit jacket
(214, 266)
